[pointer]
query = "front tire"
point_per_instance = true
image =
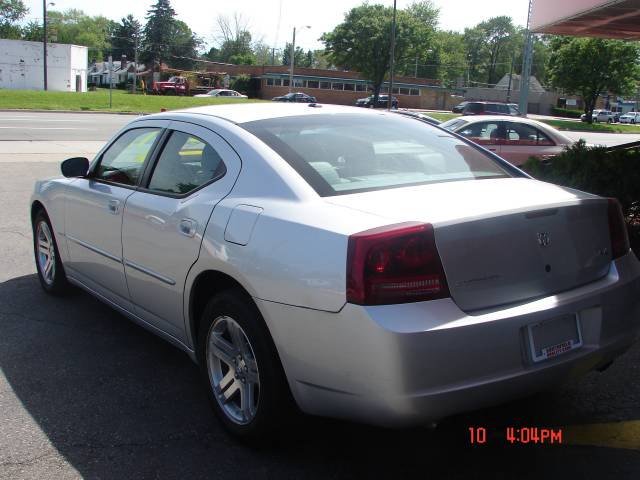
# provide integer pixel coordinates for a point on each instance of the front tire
(48, 264)
(241, 369)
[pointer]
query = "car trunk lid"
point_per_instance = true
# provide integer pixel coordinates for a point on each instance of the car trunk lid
(504, 240)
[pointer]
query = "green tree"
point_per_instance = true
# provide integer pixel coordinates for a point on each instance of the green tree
(300, 56)
(234, 40)
(158, 33)
(450, 58)
(590, 66)
(32, 31)
(11, 12)
(362, 41)
(126, 35)
(184, 46)
(76, 27)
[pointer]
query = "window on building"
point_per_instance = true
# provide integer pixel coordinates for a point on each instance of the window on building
(297, 82)
(269, 82)
(404, 91)
(414, 91)
(384, 89)
(325, 85)
(337, 86)
(313, 84)
(396, 90)
(285, 82)
(361, 87)
(350, 86)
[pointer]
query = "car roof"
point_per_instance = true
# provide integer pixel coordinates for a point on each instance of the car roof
(250, 112)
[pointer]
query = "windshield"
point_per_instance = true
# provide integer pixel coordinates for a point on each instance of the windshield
(348, 153)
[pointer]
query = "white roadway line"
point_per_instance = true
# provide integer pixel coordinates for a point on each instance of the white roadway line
(47, 128)
(38, 119)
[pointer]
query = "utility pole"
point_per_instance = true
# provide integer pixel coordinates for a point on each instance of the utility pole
(292, 59)
(415, 72)
(393, 54)
(110, 81)
(44, 41)
(135, 65)
(526, 67)
(513, 59)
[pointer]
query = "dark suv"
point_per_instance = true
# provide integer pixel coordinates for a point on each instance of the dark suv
(382, 102)
(490, 108)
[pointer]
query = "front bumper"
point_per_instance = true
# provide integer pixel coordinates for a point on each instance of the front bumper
(397, 365)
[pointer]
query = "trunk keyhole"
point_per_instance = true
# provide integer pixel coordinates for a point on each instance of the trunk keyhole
(547, 268)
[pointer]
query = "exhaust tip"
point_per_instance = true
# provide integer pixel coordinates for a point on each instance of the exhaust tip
(604, 366)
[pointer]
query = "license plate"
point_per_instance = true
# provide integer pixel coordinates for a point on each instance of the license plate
(554, 337)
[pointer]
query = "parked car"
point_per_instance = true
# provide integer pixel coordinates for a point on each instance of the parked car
(490, 108)
(514, 139)
(458, 108)
(297, 97)
(353, 263)
(418, 116)
(221, 92)
(631, 117)
(383, 102)
(600, 116)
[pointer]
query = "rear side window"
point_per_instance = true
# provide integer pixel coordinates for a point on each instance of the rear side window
(473, 108)
(186, 163)
(348, 153)
(523, 134)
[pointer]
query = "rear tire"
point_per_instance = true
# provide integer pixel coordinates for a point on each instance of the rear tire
(241, 370)
(48, 264)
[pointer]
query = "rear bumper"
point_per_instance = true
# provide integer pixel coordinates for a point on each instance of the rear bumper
(408, 364)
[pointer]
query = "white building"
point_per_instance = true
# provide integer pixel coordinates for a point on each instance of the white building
(21, 66)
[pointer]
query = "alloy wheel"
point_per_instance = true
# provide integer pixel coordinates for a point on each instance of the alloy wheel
(233, 370)
(46, 253)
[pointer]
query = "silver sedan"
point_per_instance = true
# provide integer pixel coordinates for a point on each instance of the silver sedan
(353, 263)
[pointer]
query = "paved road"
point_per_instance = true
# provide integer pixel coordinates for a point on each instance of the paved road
(85, 393)
(60, 126)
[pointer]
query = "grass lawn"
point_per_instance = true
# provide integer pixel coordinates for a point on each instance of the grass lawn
(593, 127)
(443, 117)
(565, 124)
(99, 101)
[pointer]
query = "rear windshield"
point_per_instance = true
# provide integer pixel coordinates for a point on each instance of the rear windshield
(349, 153)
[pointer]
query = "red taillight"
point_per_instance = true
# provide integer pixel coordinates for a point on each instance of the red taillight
(617, 230)
(394, 264)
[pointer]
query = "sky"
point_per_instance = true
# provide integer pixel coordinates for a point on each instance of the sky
(273, 20)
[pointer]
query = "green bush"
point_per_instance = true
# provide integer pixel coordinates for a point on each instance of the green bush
(598, 170)
(566, 112)
(242, 84)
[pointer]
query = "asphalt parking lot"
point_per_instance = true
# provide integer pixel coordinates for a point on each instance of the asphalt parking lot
(85, 393)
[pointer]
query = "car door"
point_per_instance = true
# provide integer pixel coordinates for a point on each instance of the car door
(164, 221)
(524, 141)
(94, 206)
(489, 134)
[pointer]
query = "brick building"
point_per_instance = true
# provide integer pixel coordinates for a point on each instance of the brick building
(338, 87)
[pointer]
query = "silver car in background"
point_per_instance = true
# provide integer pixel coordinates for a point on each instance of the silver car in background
(354, 263)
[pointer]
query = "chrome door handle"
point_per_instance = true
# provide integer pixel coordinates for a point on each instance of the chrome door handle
(187, 227)
(113, 206)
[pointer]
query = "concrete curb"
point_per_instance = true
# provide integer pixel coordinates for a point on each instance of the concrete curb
(24, 110)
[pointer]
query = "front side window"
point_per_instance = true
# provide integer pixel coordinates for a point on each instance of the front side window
(122, 163)
(186, 163)
(482, 133)
(348, 153)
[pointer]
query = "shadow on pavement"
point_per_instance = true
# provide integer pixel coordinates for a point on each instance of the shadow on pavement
(117, 402)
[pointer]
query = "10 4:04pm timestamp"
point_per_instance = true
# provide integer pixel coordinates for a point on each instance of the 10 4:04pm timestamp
(519, 435)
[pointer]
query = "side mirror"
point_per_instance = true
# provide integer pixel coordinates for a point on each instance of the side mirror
(75, 167)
